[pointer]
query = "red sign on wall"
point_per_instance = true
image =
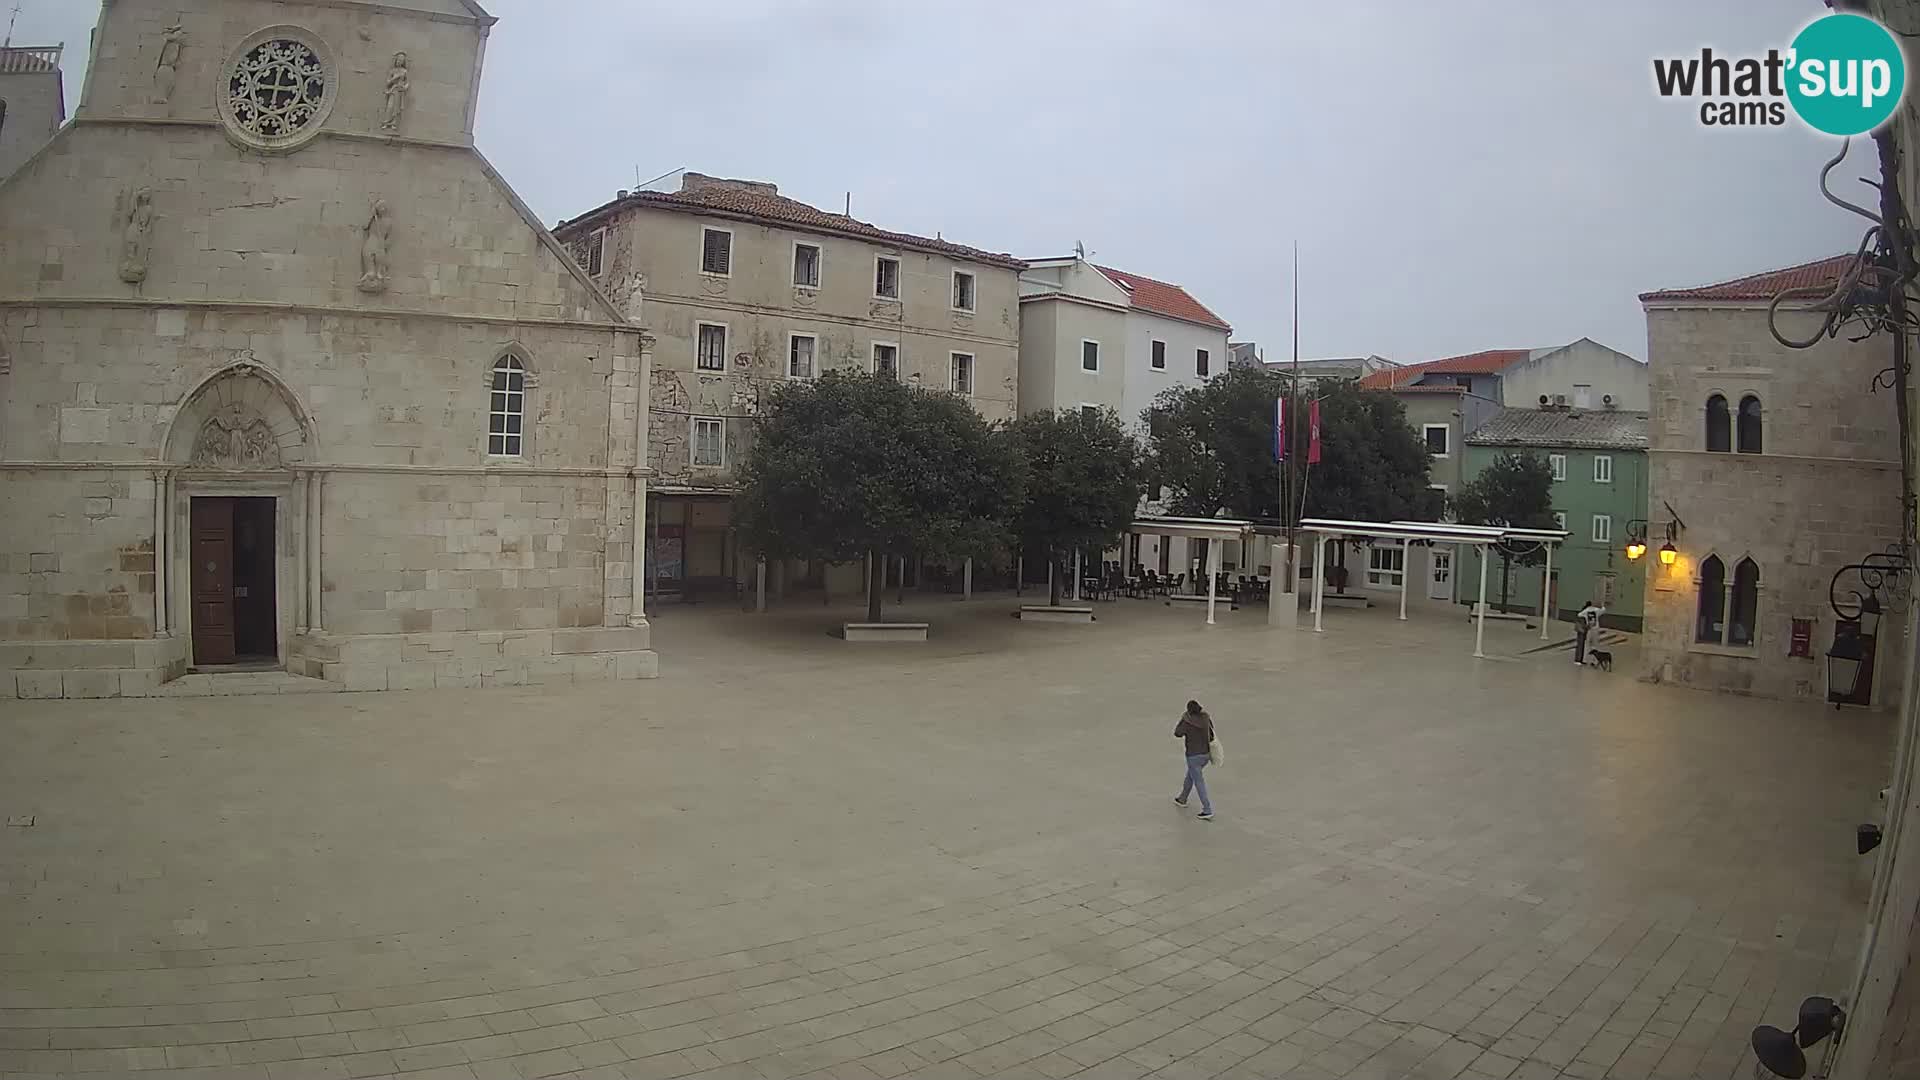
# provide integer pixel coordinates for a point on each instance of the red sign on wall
(1801, 644)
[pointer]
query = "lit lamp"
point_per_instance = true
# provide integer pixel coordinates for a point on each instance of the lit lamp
(1668, 553)
(1636, 549)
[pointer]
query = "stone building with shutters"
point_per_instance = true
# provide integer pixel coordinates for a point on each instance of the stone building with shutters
(295, 381)
(747, 289)
(1771, 471)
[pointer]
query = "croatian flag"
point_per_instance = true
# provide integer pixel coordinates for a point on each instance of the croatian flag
(1313, 434)
(1279, 429)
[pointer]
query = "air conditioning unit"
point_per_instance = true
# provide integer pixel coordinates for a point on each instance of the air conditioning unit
(1544, 399)
(1607, 400)
(1560, 400)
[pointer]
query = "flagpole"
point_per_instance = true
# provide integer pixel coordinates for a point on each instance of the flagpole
(1289, 478)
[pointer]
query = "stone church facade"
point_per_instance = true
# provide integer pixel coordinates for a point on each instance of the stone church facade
(290, 377)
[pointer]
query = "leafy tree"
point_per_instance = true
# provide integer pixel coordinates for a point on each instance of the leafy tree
(1515, 490)
(1083, 482)
(852, 464)
(1211, 448)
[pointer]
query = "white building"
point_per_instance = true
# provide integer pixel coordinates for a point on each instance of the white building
(1093, 335)
(1096, 337)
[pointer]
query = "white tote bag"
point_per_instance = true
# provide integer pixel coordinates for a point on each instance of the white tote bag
(1216, 753)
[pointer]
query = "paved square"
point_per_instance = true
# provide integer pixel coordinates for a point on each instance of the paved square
(795, 857)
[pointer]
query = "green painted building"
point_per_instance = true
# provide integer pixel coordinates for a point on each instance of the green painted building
(1599, 460)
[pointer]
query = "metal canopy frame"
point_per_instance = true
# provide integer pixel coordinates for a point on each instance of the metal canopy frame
(1481, 537)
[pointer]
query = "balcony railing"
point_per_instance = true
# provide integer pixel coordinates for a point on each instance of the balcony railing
(19, 59)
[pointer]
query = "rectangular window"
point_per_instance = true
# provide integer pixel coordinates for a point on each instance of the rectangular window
(1385, 565)
(716, 252)
(711, 354)
(806, 266)
(886, 359)
(1200, 362)
(1602, 529)
(1159, 356)
(962, 373)
(1090, 411)
(709, 442)
(962, 291)
(1559, 463)
(590, 252)
(1560, 520)
(1437, 436)
(1602, 469)
(1582, 396)
(1089, 355)
(886, 278)
(800, 349)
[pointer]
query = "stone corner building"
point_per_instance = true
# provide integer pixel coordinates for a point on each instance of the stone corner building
(292, 378)
(1778, 471)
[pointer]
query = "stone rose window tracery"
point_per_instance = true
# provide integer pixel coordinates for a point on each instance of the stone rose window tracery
(278, 89)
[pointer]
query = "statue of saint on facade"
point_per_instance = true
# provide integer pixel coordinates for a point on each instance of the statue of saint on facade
(399, 82)
(166, 73)
(374, 271)
(136, 235)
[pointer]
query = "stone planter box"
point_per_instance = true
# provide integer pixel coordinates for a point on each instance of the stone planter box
(884, 631)
(1061, 614)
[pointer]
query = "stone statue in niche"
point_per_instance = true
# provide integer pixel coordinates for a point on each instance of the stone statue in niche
(374, 271)
(235, 440)
(135, 218)
(166, 72)
(399, 82)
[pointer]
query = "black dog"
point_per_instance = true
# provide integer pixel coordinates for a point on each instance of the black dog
(1600, 658)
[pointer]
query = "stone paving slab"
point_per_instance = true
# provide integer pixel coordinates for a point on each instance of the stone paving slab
(789, 859)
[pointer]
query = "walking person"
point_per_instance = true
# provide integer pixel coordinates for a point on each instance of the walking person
(1584, 623)
(1196, 727)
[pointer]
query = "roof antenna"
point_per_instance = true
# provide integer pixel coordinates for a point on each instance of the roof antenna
(849, 210)
(14, 18)
(1080, 251)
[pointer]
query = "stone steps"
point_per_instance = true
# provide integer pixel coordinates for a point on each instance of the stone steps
(239, 683)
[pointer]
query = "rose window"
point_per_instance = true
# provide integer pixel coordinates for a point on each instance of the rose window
(276, 90)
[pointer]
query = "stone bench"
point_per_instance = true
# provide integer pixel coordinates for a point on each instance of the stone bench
(884, 631)
(1060, 614)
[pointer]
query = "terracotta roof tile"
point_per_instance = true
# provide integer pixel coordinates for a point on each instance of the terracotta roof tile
(1163, 298)
(1486, 362)
(740, 201)
(1762, 286)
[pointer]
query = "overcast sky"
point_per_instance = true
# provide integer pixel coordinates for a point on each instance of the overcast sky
(1459, 176)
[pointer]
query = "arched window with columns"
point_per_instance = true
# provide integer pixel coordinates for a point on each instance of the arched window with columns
(1710, 620)
(1719, 425)
(1747, 425)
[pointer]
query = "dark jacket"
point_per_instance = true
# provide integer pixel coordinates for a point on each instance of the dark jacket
(1197, 729)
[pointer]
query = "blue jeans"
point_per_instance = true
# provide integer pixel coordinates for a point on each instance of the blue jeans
(1196, 781)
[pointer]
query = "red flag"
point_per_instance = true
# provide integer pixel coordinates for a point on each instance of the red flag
(1313, 434)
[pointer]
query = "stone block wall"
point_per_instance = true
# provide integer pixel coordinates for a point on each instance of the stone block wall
(76, 555)
(467, 553)
(1800, 521)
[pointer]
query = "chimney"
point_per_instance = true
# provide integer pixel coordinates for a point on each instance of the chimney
(693, 182)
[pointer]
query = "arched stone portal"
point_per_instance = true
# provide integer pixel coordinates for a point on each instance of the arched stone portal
(242, 502)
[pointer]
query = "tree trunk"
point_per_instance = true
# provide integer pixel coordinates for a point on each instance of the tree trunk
(1505, 569)
(1053, 578)
(876, 584)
